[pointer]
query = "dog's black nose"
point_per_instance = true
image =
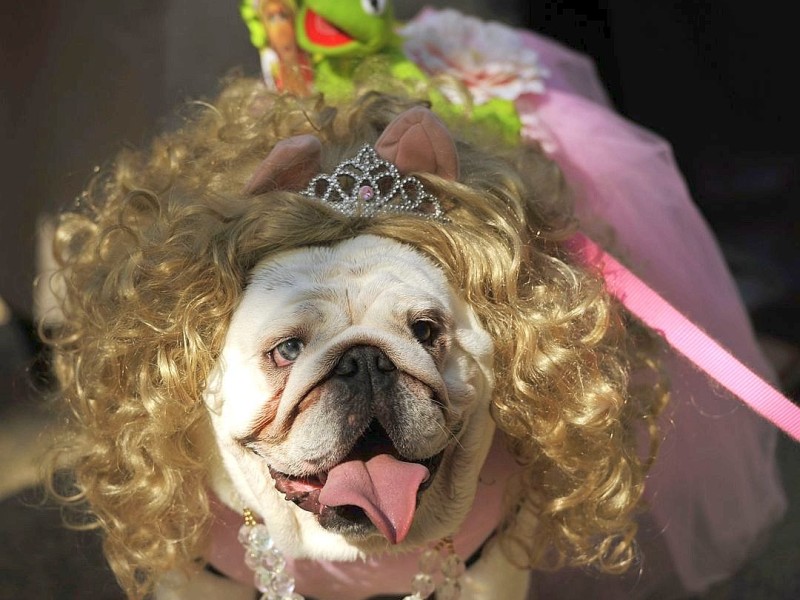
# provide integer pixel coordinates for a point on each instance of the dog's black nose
(364, 361)
(364, 381)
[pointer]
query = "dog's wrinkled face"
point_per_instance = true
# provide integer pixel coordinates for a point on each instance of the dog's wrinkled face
(351, 400)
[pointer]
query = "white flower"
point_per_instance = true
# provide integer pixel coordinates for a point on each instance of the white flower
(487, 57)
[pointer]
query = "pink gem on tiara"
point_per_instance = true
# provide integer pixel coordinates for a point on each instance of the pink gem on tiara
(366, 193)
(367, 185)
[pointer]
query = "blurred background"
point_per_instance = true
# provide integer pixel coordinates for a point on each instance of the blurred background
(82, 80)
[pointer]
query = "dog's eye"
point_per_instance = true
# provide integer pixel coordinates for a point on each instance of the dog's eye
(424, 331)
(287, 351)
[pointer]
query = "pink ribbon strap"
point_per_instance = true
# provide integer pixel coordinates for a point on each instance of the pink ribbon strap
(691, 341)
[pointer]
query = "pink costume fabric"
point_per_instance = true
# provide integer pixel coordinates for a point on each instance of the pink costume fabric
(715, 489)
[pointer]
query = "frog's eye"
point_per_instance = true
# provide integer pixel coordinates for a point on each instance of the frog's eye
(373, 7)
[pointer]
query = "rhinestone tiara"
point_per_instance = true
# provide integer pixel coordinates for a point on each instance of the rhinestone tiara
(367, 185)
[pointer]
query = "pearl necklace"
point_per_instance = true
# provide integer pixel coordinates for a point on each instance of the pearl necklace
(271, 579)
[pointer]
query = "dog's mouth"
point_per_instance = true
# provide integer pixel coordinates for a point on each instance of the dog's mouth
(373, 484)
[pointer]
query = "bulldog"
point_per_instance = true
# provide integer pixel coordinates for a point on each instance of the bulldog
(345, 359)
(351, 402)
(351, 408)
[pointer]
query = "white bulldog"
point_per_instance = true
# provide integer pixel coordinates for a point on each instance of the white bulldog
(351, 402)
(326, 329)
(352, 406)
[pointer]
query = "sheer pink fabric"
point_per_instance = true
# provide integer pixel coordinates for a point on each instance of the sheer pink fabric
(715, 488)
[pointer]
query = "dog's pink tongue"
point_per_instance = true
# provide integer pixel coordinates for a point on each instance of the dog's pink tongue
(383, 487)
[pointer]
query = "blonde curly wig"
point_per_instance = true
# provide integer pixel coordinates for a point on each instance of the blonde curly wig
(155, 257)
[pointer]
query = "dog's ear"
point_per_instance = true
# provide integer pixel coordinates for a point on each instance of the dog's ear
(418, 141)
(289, 166)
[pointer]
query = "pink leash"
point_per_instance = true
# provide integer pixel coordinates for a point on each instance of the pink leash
(691, 341)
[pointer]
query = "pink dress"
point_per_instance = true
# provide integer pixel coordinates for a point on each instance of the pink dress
(715, 489)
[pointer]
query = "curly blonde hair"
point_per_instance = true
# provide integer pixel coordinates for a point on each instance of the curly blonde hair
(155, 258)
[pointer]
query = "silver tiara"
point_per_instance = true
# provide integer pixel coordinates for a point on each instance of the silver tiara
(367, 185)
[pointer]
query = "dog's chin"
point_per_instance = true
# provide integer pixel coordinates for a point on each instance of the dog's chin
(364, 519)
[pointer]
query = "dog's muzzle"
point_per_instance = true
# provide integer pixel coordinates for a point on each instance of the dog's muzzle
(374, 483)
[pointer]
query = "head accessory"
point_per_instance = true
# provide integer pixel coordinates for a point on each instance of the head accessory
(367, 185)
(373, 182)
